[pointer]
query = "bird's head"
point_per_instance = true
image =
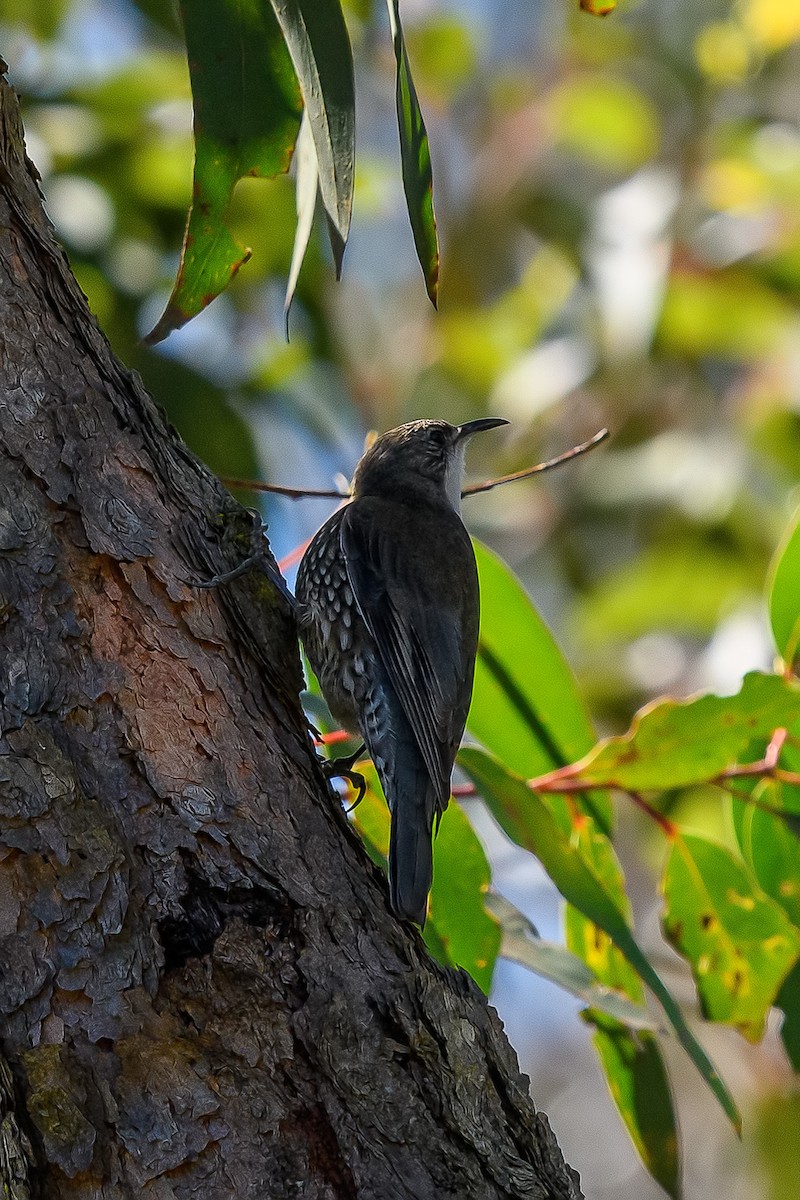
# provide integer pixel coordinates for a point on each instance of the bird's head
(422, 457)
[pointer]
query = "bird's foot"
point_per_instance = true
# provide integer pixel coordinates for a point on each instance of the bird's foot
(258, 557)
(342, 768)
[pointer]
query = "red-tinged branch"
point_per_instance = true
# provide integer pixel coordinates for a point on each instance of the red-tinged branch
(567, 781)
(293, 557)
(669, 828)
(334, 737)
(258, 485)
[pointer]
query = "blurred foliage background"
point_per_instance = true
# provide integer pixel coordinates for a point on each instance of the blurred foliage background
(619, 210)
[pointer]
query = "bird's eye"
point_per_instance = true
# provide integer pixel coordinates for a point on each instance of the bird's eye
(437, 437)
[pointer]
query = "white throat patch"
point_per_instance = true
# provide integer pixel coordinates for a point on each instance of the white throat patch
(454, 476)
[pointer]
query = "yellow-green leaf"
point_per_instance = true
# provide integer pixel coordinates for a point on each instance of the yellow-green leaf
(739, 942)
(246, 116)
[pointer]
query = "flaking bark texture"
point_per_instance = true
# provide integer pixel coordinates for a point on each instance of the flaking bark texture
(202, 992)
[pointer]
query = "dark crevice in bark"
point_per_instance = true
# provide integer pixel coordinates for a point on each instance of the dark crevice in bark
(205, 912)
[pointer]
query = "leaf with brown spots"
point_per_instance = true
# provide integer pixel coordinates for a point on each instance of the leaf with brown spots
(739, 942)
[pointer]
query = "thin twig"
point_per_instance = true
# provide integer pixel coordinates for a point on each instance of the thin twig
(256, 485)
(567, 456)
(669, 828)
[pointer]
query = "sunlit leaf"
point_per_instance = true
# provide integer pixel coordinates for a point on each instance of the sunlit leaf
(739, 942)
(246, 117)
(306, 184)
(525, 704)
(639, 1085)
(675, 744)
(784, 595)
(522, 944)
(528, 821)
(598, 8)
(318, 43)
(415, 157)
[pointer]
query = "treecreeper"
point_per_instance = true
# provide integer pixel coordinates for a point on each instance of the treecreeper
(388, 609)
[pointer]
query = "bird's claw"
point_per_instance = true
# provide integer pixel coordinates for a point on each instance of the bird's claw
(258, 557)
(255, 557)
(342, 768)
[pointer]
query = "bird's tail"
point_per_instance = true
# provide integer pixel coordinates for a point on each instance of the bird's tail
(410, 849)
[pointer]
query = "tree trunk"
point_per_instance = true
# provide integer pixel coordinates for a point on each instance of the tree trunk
(203, 993)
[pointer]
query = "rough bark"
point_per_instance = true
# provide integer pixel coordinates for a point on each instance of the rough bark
(202, 991)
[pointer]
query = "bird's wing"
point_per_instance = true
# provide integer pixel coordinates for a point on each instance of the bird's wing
(425, 629)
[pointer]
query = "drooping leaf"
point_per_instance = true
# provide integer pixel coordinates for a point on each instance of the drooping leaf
(633, 1066)
(306, 184)
(528, 821)
(415, 157)
(246, 116)
(739, 943)
(639, 1085)
(784, 595)
(525, 704)
(522, 944)
(593, 944)
(673, 744)
(318, 43)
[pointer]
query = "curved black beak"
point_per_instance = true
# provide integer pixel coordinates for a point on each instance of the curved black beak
(482, 423)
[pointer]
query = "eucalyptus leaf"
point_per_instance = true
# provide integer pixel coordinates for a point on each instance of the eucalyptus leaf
(527, 820)
(246, 116)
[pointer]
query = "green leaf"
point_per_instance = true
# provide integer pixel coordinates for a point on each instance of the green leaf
(673, 744)
(633, 1066)
(639, 1085)
(528, 821)
(525, 704)
(784, 595)
(318, 43)
(457, 914)
(459, 931)
(246, 116)
(788, 1000)
(522, 944)
(739, 942)
(770, 848)
(306, 185)
(415, 157)
(593, 945)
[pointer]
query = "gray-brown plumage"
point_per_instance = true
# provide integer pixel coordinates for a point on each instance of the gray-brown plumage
(388, 609)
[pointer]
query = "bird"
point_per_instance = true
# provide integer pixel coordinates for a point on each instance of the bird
(387, 605)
